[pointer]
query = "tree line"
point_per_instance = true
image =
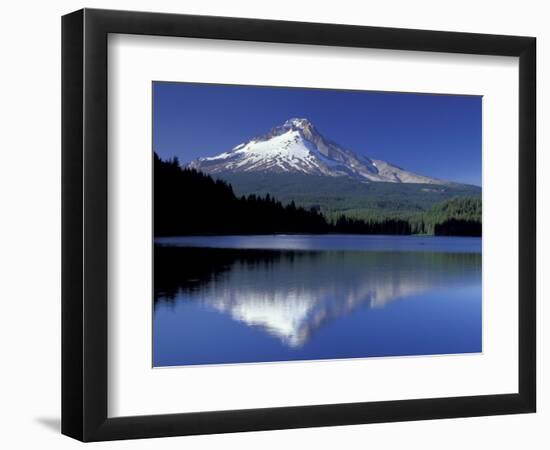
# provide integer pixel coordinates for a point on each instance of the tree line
(190, 202)
(455, 217)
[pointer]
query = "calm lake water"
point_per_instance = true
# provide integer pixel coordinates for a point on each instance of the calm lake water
(235, 299)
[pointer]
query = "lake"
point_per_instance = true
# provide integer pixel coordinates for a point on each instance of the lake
(243, 299)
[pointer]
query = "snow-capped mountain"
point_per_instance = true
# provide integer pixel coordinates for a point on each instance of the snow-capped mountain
(297, 147)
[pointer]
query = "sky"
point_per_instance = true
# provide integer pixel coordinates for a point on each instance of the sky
(434, 135)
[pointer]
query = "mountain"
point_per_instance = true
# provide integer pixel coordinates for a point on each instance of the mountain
(296, 147)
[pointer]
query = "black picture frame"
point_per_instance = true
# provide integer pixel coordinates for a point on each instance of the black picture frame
(84, 224)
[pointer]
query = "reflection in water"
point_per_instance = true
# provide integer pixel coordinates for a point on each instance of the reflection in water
(291, 294)
(352, 242)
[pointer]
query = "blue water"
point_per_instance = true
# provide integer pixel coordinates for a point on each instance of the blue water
(235, 299)
(330, 242)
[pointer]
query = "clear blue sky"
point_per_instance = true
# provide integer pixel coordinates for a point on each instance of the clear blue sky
(434, 135)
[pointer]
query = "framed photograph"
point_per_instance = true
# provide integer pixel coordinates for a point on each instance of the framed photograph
(273, 224)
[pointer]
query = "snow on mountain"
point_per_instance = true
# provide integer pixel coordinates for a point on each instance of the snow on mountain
(296, 146)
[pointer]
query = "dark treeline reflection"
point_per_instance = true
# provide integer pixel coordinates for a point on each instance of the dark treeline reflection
(190, 268)
(292, 293)
(189, 202)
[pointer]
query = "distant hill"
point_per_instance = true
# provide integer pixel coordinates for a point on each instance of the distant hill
(347, 195)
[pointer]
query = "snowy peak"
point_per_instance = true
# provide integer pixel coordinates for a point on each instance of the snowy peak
(298, 124)
(297, 147)
(295, 124)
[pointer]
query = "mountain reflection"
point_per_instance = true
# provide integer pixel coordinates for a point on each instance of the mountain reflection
(291, 294)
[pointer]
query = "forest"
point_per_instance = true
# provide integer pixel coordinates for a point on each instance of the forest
(189, 202)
